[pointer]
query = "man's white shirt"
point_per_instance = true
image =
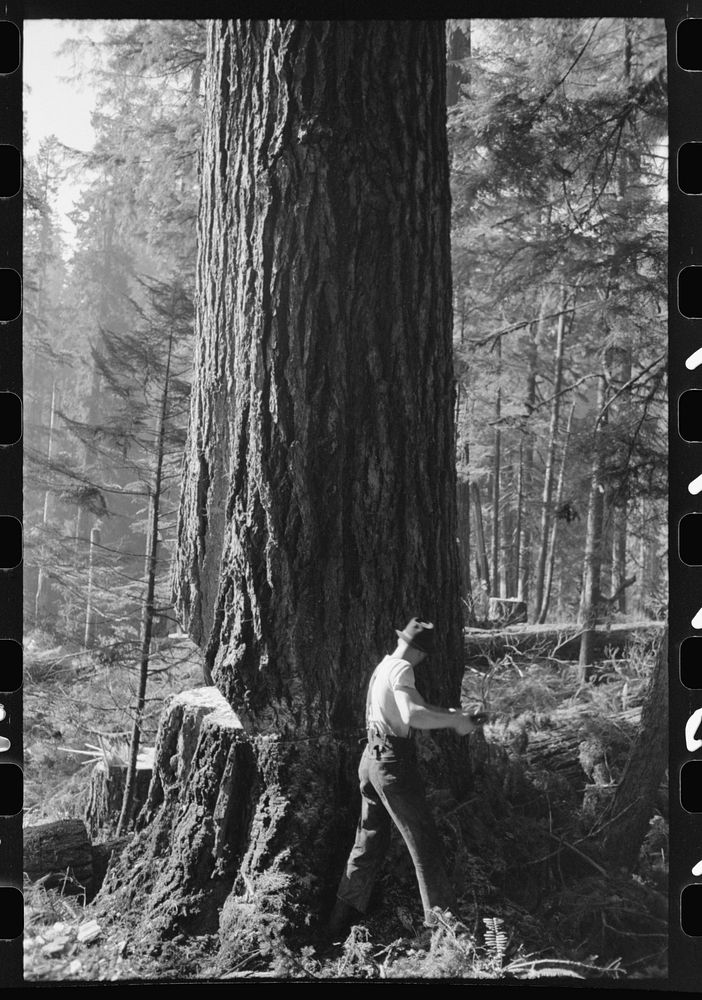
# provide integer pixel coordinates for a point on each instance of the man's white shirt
(383, 714)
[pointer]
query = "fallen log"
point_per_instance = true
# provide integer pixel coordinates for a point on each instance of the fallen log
(582, 750)
(61, 855)
(561, 642)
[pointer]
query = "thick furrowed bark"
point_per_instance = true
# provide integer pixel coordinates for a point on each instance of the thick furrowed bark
(319, 507)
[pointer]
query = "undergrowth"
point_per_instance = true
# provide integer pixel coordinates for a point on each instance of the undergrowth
(532, 881)
(74, 700)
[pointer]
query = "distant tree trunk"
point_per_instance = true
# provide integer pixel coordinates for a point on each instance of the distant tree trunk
(481, 554)
(640, 514)
(518, 521)
(619, 544)
(549, 472)
(532, 361)
(496, 471)
(148, 610)
(590, 594)
(94, 400)
(91, 629)
(606, 542)
(629, 166)
(508, 535)
(649, 560)
(458, 50)
(634, 800)
(42, 597)
(551, 558)
(463, 521)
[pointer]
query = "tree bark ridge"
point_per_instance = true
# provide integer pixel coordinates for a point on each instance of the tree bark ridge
(318, 512)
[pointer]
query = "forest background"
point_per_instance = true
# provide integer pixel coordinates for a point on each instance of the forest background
(558, 179)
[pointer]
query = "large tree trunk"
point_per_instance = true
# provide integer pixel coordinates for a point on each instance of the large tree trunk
(319, 503)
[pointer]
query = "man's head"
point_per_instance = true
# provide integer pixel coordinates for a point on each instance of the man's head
(415, 641)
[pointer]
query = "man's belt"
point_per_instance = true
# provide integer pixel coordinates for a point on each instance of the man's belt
(403, 746)
(378, 734)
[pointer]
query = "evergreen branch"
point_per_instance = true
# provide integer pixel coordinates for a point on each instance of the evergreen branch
(568, 388)
(627, 385)
(484, 341)
(544, 98)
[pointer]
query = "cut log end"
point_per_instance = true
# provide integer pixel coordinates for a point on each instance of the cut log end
(62, 857)
(106, 793)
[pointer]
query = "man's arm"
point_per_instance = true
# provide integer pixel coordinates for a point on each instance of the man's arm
(418, 714)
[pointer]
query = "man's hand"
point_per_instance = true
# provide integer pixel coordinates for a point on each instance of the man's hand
(468, 722)
(464, 723)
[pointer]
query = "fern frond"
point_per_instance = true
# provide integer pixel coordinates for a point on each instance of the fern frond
(495, 939)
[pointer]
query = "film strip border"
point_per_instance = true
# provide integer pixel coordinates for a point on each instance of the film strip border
(685, 372)
(11, 900)
(684, 23)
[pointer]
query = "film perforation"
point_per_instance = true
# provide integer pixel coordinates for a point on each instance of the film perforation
(309, 144)
(686, 554)
(11, 544)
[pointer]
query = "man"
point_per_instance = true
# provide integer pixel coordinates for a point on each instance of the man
(391, 787)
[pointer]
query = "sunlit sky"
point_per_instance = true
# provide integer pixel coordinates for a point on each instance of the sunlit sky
(52, 105)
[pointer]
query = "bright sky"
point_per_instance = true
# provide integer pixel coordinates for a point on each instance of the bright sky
(52, 106)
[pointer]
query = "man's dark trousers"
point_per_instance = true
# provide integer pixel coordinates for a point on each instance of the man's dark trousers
(392, 791)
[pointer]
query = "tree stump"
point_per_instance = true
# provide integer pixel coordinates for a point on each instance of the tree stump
(106, 790)
(219, 825)
(103, 855)
(61, 854)
(242, 831)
